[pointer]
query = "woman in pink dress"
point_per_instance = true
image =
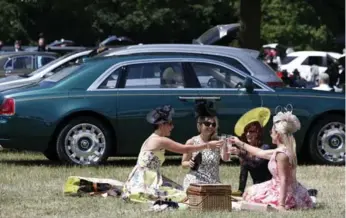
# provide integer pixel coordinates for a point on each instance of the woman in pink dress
(283, 191)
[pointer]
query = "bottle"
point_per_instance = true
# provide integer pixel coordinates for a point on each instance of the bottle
(197, 160)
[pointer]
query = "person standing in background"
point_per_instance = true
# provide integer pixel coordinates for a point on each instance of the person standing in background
(41, 43)
(18, 46)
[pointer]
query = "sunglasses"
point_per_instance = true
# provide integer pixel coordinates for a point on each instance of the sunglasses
(209, 124)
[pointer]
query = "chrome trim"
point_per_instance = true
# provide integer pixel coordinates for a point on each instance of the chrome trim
(199, 98)
(100, 79)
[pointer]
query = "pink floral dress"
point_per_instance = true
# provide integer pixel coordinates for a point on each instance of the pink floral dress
(269, 192)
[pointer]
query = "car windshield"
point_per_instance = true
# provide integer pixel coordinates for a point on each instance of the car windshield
(288, 59)
(50, 64)
(63, 73)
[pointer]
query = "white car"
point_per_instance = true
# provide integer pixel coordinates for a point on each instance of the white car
(303, 60)
(43, 72)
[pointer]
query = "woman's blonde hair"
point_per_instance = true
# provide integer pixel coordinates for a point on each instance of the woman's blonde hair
(200, 120)
(285, 124)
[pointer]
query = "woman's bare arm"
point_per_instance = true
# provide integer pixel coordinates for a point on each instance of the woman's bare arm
(170, 145)
(265, 154)
(187, 156)
(283, 165)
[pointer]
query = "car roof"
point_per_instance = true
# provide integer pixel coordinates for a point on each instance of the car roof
(192, 47)
(247, 57)
(314, 53)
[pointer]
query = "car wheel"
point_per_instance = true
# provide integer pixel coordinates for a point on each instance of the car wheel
(327, 141)
(84, 141)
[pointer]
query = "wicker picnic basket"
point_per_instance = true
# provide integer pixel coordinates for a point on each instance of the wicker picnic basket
(208, 197)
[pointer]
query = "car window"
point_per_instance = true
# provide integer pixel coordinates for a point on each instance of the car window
(231, 61)
(62, 73)
(215, 76)
(24, 62)
(154, 75)
(111, 81)
(19, 63)
(52, 63)
(43, 60)
(8, 65)
(288, 59)
(313, 60)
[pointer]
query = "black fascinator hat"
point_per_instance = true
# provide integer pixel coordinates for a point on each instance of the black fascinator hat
(160, 115)
(204, 109)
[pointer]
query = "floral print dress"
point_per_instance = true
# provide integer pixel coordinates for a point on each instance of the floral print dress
(269, 192)
(146, 183)
(208, 170)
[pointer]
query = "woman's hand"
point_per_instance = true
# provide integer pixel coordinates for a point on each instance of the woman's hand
(191, 163)
(216, 144)
(233, 150)
(234, 140)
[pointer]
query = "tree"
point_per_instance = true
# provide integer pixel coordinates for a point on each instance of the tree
(250, 19)
(294, 23)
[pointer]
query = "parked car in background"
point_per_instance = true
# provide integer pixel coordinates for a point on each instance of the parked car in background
(303, 60)
(46, 71)
(61, 47)
(90, 111)
(15, 63)
(245, 60)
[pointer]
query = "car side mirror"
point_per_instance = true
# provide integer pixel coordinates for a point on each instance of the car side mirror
(248, 85)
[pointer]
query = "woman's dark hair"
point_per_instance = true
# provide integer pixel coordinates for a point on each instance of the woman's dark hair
(253, 127)
(155, 126)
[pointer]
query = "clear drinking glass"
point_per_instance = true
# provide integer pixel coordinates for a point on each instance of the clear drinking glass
(224, 138)
(229, 144)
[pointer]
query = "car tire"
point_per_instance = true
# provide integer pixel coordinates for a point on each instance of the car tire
(327, 140)
(51, 154)
(84, 141)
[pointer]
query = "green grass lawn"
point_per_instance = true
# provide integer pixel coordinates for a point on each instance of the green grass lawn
(31, 186)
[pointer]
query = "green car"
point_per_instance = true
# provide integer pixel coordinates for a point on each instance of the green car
(97, 109)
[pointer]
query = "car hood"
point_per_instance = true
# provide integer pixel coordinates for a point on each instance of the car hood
(216, 33)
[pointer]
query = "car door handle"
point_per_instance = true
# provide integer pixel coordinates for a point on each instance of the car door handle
(186, 98)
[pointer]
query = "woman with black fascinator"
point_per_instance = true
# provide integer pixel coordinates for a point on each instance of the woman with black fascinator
(146, 183)
(204, 165)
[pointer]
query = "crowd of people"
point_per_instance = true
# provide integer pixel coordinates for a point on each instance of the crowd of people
(41, 44)
(272, 167)
(333, 79)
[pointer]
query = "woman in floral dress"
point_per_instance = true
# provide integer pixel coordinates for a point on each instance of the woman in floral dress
(146, 183)
(283, 191)
(206, 170)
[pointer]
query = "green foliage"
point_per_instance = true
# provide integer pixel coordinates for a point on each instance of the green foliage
(300, 23)
(294, 23)
(11, 25)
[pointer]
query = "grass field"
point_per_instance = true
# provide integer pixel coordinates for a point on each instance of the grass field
(31, 186)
